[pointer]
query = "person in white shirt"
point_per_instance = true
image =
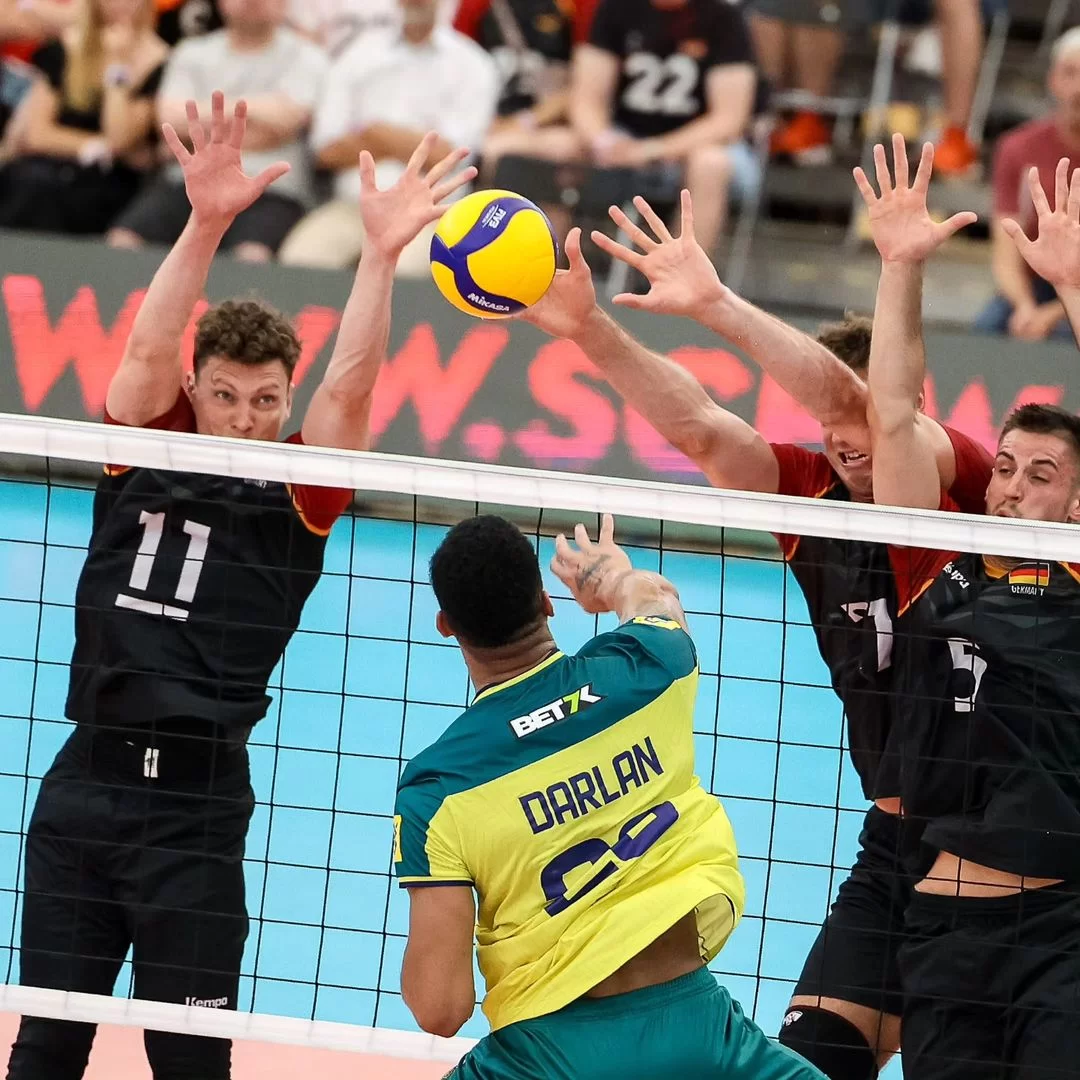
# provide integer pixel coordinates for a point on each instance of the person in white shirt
(381, 95)
(335, 24)
(280, 74)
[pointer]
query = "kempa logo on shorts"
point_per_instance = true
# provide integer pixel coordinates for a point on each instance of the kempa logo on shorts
(556, 711)
(207, 1003)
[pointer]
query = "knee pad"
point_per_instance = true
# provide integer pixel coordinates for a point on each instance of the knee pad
(835, 1045)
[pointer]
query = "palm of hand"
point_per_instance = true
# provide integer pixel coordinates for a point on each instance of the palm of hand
(902, 227)
(393, 217)
(563, 309)
(216, 183)
(681, 276)
(1055, 254)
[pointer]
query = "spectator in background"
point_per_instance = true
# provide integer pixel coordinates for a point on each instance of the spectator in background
(333, 24)
(382, 94)
(89, 122)
(1026, 306)
(670, 84)
(531, 42)
(179, 19)
(279, 74)
(800, 44)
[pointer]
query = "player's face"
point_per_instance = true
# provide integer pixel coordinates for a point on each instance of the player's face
(241, 401)
(1064, 83)
(1035, 477)
(853, 467)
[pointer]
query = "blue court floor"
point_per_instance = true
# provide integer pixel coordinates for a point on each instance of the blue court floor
(367, 682)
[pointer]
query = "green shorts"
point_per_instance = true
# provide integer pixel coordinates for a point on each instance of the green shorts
(687, 1029)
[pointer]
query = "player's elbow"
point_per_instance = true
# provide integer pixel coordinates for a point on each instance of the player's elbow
(438, 1009)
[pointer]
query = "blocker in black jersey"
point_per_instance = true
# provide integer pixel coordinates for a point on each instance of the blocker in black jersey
(191, 589)
(665, 56)
(852, 599)
(988, 713)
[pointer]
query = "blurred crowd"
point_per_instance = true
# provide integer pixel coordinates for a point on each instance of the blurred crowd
(570, 102)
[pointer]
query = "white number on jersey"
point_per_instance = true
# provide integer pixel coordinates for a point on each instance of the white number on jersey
(878, 610)
(965, 657)
(663, 86)
(198, 541)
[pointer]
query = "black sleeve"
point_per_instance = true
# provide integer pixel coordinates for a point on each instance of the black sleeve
(51, 60)
(608, 26)
(149, 87)
(729, 38)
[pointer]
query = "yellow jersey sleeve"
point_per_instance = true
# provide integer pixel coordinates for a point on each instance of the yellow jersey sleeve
(427, 849)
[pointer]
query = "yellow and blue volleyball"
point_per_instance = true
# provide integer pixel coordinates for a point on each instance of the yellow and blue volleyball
(493, 254)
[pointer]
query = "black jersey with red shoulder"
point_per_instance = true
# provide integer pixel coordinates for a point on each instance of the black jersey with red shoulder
(192, 587)
(988, 708)
(852, 600)
(531, 42)
(665, 55)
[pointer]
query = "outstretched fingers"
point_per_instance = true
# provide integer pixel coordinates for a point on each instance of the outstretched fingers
(367, 172)
(239, 125)
(881, 167)
(458, 180)
(955, 224)
(196, 131)
(1074, 197)
(1017, 235)
(217, 117)
(636, 233)
(421, 153)
(271, 173)
(655, 222)
(866, 189)
(445, 165)
(1038, 196)
(686, 208)
(175, 144)
(900, 162)
(1061, 186)
(617, 250)
(581, 535)
(925, 170)
(607, 529)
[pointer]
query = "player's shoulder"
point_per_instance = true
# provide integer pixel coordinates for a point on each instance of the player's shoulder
(802, 471)
(650, 646)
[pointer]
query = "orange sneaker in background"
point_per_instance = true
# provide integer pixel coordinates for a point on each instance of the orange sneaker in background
(954, 154)
(805, 138)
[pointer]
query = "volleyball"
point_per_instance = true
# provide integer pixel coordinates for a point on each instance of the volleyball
(493, 254)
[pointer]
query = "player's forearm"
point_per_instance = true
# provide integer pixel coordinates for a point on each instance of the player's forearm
(823, 384)
(552, 108)
(905, 468)
(640, 593)
(152, 361)
(340, 411)
(664, 392)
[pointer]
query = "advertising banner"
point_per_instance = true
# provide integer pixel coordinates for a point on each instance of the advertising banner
(455, 387)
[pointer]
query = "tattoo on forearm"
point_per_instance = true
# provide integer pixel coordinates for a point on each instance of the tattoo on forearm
(588, 572)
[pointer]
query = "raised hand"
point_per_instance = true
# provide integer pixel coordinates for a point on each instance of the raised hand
(217, 186)
(395, 217)
(591, 572)
(565, 309)
(1054, 254)
(900, 223)
(682, 278)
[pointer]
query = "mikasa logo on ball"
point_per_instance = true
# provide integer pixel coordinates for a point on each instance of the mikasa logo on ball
(484, 302)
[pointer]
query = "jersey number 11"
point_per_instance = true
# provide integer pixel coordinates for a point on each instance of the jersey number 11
(198, 541)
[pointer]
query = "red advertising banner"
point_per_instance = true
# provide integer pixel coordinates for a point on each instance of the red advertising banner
(454, 387)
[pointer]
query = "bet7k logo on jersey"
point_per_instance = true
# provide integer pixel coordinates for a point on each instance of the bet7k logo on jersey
(547, 715)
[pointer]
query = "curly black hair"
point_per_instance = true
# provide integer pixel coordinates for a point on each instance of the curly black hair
(248, 332)
(486, 577)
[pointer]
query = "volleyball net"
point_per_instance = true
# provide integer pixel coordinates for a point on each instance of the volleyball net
(367, 682)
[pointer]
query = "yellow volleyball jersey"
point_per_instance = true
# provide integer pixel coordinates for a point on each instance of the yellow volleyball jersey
(567, 799)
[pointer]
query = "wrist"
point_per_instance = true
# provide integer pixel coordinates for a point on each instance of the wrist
(720, 310)
(595, 328)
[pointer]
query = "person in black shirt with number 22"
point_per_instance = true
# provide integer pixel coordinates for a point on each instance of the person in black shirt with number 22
(988, 700)
(191, 589)
(670, 86)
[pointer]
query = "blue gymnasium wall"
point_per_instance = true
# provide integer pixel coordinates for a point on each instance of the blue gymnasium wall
(366, 683)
